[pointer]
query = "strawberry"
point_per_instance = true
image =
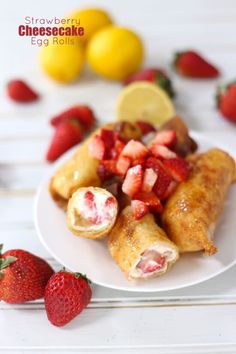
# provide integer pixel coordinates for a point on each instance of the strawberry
(133, 180)
(106, 169)
(191, 64)
(149, 180)
(83, 114)
(108, 137)
(178, 168)
(67, 134)
(166, 137)
(151, 200)
(134, 150)
(23, 276)
(122, 165)
(145, 127)
(20, 91)
(226, 101)
(156, 262)
(154, 75)
(164, 179)
(66, 295)
(97, 148)
(139, 209)
(162, 151)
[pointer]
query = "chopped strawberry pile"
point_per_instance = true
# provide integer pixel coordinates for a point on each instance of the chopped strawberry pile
(148, 175)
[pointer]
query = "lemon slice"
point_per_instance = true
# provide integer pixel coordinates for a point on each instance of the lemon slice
(144, 101)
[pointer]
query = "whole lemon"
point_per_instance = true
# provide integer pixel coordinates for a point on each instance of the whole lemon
(92, 19)
(62, 59)
(115, 52)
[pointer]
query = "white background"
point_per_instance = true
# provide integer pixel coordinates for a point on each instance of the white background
(200, 319)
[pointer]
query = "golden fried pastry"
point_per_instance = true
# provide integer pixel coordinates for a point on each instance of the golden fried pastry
(191, 213)
(140, 247)
(91, 212)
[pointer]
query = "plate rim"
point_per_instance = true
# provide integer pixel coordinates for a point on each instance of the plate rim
(63, 158)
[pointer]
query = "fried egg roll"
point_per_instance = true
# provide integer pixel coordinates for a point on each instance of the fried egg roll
(91, 212)
(191, 213)
(140, 247)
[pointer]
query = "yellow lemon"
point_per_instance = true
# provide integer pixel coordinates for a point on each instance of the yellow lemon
(92, 19)
(115, 52)
(144, 101)
(62, 59)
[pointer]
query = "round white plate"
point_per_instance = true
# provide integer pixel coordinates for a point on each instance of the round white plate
(92, 257)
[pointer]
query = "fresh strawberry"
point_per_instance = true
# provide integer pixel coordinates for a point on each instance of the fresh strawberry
(66, 295)
(134, 150)
(141, 161)
(164, 179)
(170, 189)
(191, 64)
(20, 91)
(166, 137)
(83, 114)
(97, 148)
(149, 179)
(67, 134)
(133, 180)
(122, 165)
(139, 209)
(23, 276)
(154, 75)
(178, 168)
(108, 137)
(162, 151)
(151, 200)
(106, 169)
(226, 101)
(145, 127)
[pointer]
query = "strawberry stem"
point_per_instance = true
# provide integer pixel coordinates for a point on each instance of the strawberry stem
(76, 274)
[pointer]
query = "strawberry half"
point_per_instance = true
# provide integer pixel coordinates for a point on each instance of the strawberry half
(166, 137)
(135, 150)
(20, 91)
(155, 75)
(133, 180)
(178, 168)
(151, 200)
(67, 134)
(139, 209)
(83, 114)
(192, 64)
(226, 101)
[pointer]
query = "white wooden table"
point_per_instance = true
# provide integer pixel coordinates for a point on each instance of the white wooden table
(198, 319)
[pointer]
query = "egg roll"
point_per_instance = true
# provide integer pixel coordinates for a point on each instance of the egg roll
(91, 212)
(191, 213)
(140, 247)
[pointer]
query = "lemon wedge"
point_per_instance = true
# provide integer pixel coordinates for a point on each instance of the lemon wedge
(144, 101)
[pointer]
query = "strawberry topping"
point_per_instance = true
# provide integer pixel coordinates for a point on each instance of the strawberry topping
(134, 150)
(166, 137)
(178, 168)
(139, 208)
(97, 148)
(162, 151)
(149, 180)
(133, 180)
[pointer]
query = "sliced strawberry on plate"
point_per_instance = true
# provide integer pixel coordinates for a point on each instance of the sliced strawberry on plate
(133, 180)
(66, 135)
(178, 168)
(122, 165)
(135, 150)
(162, 151)
(149, 180)
(139, 209)
(97, 148)
(145, 127)
(151, 200)
(166, 137)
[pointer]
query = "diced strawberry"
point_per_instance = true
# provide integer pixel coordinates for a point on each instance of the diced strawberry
(162, 151)
(166, 137)
(110, 166)
(149, 180)
(97, 147)
(139, 209)
(170, 189)
(135, 150)
(151, 265)
(108, 137)
(119, 145)
(164, 179)
(178, 168)
(152, 201)
(106, 169)
(122, 165)
(133, 180)
(141, 161)
(110, 201)
(145, 127)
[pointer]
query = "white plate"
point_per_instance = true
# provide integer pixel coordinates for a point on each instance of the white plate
(92, 257)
